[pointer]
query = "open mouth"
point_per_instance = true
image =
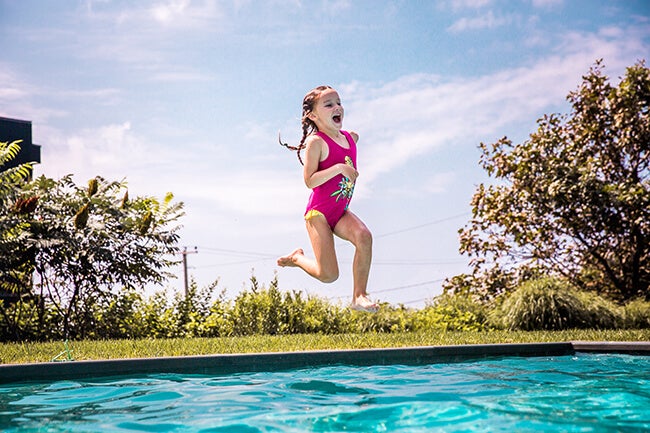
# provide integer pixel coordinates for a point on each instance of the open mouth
(336, 118)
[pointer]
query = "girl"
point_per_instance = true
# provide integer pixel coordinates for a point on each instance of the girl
(330, 171)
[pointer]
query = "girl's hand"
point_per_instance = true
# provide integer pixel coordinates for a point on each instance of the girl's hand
(348, 171)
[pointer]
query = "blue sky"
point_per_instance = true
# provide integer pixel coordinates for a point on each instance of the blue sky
(188, 97)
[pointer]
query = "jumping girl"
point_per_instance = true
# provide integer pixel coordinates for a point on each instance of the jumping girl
(330, 172)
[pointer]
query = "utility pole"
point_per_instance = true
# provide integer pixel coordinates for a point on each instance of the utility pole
(185, 253)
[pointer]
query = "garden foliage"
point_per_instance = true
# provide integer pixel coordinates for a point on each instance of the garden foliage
(551, 304)
(65, 249)
(546, 304)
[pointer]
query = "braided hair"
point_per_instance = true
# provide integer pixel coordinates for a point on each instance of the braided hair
(308, 126)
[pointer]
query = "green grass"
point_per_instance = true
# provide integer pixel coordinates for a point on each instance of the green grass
(14, 353)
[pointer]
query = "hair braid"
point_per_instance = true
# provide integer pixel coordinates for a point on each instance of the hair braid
(308, 126)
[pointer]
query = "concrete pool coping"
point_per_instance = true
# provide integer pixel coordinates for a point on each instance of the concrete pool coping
(276, 361)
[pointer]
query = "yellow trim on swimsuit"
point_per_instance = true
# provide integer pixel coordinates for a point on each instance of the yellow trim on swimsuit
(313, 213)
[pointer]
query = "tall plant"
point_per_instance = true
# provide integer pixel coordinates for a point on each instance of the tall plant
(9, 177)
(13, 207)
(83, 242)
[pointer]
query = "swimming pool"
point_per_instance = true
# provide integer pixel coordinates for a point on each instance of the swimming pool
(570, 393)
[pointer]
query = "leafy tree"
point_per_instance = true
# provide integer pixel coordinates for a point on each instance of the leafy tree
(80, 244)
(14, 274)
(9, 177)
(572, 200)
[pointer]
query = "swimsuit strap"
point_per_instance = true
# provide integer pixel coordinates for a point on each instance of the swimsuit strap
(329, 139)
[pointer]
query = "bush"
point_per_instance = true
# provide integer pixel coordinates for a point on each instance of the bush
(636, 314)
(119, 316)
(28, 320)
(387, 319)
(602, 313)
(543, 304)
(451, 312)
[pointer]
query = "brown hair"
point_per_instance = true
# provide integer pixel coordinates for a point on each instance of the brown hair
(308, 126)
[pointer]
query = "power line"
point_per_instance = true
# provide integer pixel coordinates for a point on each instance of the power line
(422, 225)
(414, 301)
(237, 252)
(392, 289)
(256, 256)
(415, 263)
(239, 262)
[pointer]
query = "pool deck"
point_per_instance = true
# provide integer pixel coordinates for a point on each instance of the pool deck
(276, 361)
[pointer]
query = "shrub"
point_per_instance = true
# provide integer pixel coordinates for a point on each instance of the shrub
(28, 320)
(256, 311)
(261, 310)
(119, 316)
(317, 315)
(451, 312)
(387, 319)
(602, 313)
(543, 304)
(636, 314)
(157, 316)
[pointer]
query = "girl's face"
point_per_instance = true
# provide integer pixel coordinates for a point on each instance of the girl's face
(327, 112)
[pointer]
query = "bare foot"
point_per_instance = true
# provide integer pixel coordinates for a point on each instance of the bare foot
(362, 303)
(290, 259)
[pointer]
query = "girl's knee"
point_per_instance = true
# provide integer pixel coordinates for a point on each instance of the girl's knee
(363, 238)
(328, 276)
(367, 236)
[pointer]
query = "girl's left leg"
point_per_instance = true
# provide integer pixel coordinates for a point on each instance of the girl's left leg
(351, 228)
(324, 266)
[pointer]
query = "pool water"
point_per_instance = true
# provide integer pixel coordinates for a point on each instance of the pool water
(581, 393)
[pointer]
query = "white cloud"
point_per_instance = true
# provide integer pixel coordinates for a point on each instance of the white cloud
(116, 152)
(111, 151)
(16, 98)
(12, 88)
(547, 3)
(185, 13)
(456, 5)
(438, 182)
(175, 76)
(168, 11)
(142, 35)
(418, 114)
(334, 7)
(252, 192)
(485, 21)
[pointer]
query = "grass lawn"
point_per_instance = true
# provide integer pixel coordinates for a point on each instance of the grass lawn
(14, 353)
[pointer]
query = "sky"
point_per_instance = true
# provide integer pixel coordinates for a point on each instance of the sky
(188, 97)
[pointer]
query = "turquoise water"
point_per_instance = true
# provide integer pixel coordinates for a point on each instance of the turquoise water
(582, 393)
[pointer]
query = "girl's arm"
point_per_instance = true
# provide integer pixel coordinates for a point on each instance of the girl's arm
(314, 153)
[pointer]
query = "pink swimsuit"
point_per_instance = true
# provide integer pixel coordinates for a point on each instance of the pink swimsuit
(332, 198)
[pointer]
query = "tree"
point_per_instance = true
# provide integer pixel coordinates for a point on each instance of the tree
(573, 199)
(9, 177)
(13, 276)
(81, 244)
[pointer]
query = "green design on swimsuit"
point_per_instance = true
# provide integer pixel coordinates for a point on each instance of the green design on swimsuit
(346, 186)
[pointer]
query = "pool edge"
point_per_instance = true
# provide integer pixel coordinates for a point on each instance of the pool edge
(630, 347)
(275, 361)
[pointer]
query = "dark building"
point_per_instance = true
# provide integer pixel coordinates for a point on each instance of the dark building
(14, 129)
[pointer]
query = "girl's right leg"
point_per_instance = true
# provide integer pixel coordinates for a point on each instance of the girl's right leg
(324, 266)
(352, 229)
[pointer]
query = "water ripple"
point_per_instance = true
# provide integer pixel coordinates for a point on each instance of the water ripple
(585, 393)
